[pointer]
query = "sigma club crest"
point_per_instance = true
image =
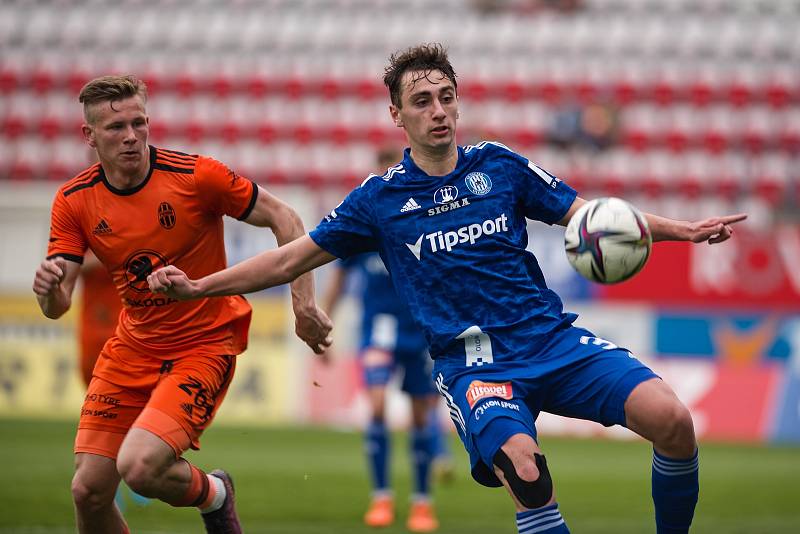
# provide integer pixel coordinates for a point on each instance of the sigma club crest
(478, 183)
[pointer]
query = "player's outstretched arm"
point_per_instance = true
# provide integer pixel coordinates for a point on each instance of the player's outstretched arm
(53, 285)
(268, 269)
(312, 325)
(713, 230)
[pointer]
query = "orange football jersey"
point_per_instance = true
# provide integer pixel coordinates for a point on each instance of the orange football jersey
(174, 217)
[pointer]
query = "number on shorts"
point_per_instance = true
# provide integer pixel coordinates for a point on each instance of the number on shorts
(600, 342)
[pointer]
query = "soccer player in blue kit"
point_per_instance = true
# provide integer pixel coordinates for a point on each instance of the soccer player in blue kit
(391, 341)
(449, 222)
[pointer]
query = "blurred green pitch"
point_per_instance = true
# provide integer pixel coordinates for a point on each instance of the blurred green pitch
(304, 481)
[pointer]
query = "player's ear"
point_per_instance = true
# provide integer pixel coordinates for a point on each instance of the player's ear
(395, 113)
(88, 135)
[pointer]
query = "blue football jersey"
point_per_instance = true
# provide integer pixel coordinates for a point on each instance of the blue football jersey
(386, 320)
(455, 246)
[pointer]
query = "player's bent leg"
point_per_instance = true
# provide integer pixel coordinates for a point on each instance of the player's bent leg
(522, 468)
(93, 488)
(654, 412)
(150, 466)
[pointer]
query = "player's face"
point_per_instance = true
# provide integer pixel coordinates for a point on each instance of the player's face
(429, 109)
(119, 130)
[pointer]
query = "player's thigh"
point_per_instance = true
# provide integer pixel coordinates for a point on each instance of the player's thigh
(596, 382)
(186, 399)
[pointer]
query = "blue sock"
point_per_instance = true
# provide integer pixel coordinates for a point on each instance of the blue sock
(438, 438)
(675, 490)
(547, 519)
(421, 455)
(377, 444)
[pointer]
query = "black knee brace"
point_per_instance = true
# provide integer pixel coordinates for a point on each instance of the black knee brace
(530, 494)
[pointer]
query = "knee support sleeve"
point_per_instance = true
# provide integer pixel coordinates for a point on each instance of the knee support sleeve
(533, 494)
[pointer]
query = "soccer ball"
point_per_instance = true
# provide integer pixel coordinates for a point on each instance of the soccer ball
(608, 240)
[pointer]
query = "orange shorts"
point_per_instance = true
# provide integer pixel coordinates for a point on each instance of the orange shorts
(174, 399)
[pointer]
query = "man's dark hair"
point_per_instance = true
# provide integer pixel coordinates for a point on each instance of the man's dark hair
(110, 89)
(423, 58)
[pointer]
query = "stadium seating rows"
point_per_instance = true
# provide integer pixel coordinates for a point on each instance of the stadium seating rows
(712, 82)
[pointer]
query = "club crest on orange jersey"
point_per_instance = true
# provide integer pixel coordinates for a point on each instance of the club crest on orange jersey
(483, 390)
(166, 215)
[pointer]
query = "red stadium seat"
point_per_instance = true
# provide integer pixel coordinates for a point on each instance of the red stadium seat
(256, 85)
(303, 133)
(185, 84)
(340, 134)
(221, 85)
(265, 131)
(50, 127)
(331, 88)
(513, 91)
(231, 131)
(13, 126)
(624, 91)
(9, 80)
(294, 87)
(42, 80)
(76, 78)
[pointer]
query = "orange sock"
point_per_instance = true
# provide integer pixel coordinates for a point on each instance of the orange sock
(198, 492)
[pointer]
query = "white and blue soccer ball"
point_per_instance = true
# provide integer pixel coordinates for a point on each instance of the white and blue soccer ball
(608, 240)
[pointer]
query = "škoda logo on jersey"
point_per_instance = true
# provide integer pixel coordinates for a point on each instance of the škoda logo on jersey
(482, 390)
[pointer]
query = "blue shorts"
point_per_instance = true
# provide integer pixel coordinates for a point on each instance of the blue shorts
(387, 346)
(575, 375)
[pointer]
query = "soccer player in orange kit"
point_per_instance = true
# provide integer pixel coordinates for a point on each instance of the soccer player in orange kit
(159, 381)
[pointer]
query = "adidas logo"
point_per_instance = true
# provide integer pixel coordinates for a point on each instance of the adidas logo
(102, 228)
(411, 205)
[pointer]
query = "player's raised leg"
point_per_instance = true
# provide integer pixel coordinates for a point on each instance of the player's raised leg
(654, 412)
(93, 488)
(150, 467)
(521, 467)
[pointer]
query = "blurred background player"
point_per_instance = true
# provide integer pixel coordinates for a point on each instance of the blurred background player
(100, 307)
(390, 341)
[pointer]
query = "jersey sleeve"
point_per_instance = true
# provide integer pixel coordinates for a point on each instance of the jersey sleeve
(66, 236)
(349, 228)
(223, 191)
(543, 196)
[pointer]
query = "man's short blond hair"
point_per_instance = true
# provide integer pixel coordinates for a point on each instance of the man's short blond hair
(110, 89)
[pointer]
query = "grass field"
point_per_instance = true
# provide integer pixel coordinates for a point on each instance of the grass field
(303, 481)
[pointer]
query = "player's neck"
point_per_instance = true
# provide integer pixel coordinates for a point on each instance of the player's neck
(125, 179)
(435, 162)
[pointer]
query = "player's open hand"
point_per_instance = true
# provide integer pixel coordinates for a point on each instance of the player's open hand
(49, 276)
(313, 326)
(715, 229)
(172, 282)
